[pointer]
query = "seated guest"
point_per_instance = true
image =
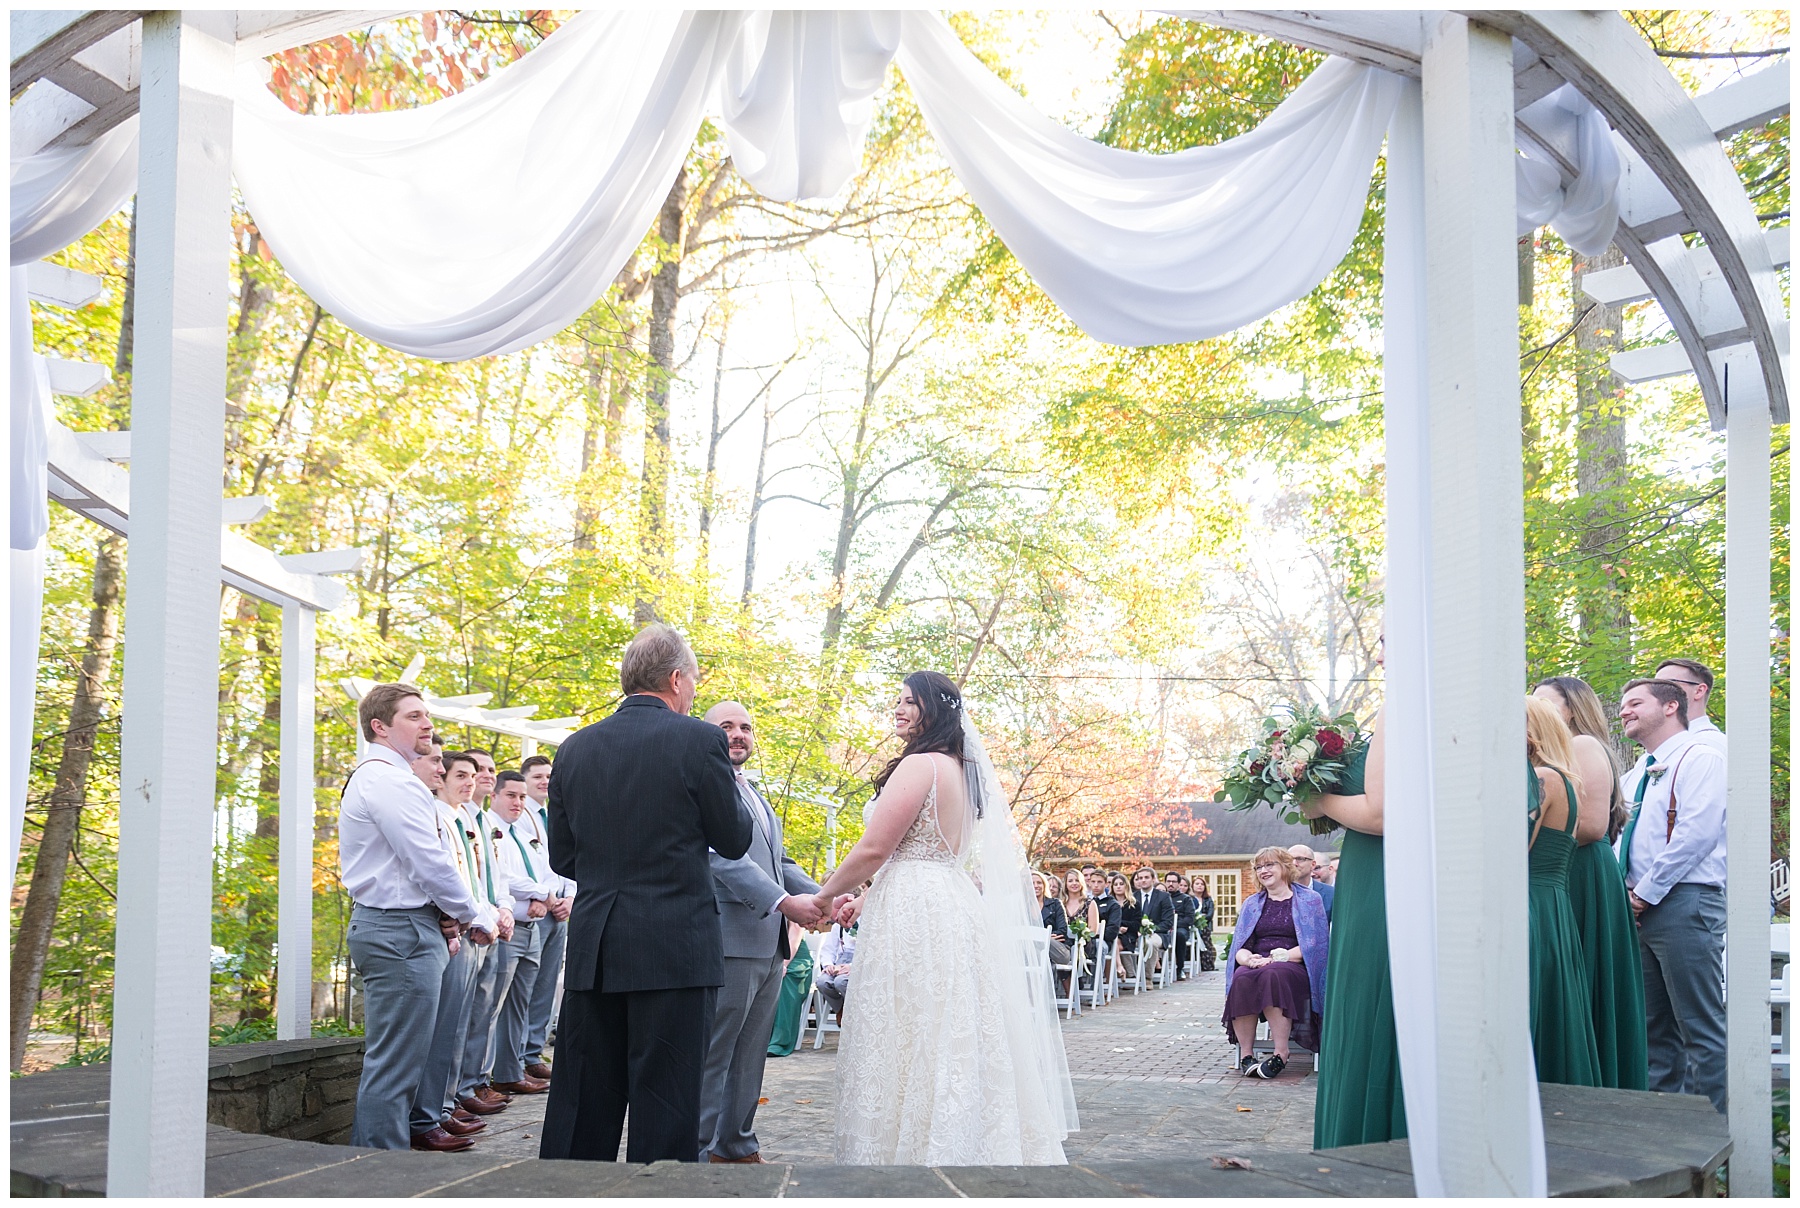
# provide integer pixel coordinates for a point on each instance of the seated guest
(1276, 967)
(1157, 931)
(833, 975)
(1056, 922)
(1131, 919)
(1186, 907)
(1308, 864)
(1099, 888)
(1077, 905)
(1209, 958)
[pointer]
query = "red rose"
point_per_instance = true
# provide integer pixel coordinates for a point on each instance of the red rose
(1276, 735)
(1257, 767)
(1331, 744)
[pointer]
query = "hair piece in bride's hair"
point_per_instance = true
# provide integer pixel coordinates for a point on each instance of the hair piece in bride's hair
(940, 721)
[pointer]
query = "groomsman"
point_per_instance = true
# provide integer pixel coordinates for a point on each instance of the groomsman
(482, 1047)
(1158, 925)
(480, 1099)
(1673, 853)
(757, 894)
(402, 883)
(435, 1125)
(521, 843)
(1111, 909)
(555, 925)
(1696, 680)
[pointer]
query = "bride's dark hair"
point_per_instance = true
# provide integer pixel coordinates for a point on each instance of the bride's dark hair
(940, 721)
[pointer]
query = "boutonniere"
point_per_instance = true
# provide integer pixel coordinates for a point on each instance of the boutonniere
(498, 834)
(1655, 771)
(537, 843)
(468, 834)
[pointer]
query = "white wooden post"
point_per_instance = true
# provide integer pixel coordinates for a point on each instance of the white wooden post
(527, 748)
(169, 739)
(1490, 1129)
(293, 989)
(1747, 776)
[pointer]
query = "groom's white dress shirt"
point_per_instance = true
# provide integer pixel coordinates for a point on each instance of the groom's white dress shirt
(390, 847)
(764, 817)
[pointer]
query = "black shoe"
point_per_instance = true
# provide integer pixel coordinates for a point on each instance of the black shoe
(1269, 1067)
(1246, 1064)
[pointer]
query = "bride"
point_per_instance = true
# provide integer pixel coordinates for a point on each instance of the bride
(950, 1053)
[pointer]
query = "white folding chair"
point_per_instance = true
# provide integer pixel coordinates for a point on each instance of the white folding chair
(1171, 960)
(1781, 998)
(1069, 1004)
(1095, 994)
(818, 1011)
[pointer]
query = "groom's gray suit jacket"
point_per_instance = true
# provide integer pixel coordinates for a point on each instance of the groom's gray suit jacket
(749, 887)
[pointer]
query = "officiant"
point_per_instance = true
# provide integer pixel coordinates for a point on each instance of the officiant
(758, 894)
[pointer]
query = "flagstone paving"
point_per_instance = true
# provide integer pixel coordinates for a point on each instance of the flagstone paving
(1154, 1078)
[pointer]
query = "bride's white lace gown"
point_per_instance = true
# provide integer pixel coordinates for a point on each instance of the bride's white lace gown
(925, 1070)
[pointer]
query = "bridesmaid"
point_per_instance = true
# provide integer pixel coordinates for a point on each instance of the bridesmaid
(790, 1005)
(1609, 942)
(1359, 1097)
(1562, 1012)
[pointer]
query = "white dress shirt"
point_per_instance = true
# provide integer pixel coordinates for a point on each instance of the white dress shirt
(1696, 851)
(391, 852)
(1704, 731)
(522, 863)
(764, 818)
(492, 882)
(535, 813)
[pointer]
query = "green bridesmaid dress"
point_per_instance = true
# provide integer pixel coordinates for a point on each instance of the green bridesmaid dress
(790, 1007)
(1562, 1013)
(1615, 972)
(1359, 1098)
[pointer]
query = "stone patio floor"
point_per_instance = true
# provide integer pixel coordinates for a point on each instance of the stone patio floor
(1154, 1077)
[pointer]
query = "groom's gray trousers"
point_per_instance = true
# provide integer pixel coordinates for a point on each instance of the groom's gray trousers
(742, 1023)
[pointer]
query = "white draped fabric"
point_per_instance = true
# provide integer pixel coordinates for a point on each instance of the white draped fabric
(490, 220)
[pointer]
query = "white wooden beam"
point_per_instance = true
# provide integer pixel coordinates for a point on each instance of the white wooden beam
(1490, 1140)
(77, 379)
(293, 970)
(169, 734)
(1747, 619)
(1652, 363)
(1747, 102)
(1617, 286)
(1612, 65)
(42, 38)
(54, 285)
(327, 562)
(246, 509)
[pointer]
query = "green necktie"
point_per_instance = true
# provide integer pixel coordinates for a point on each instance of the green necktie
(469, 856)
(1637, 807)
(529, 871)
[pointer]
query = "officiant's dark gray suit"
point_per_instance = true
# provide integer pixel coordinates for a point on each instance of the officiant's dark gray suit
(756, 946)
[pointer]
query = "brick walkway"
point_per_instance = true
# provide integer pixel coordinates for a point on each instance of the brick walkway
(1154, 1076)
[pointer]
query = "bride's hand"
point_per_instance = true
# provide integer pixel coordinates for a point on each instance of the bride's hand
(847, 910)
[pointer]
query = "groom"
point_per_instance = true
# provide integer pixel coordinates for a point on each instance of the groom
(757, 894)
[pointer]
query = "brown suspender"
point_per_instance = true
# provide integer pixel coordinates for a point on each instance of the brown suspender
(352, 776)
(1676, 771)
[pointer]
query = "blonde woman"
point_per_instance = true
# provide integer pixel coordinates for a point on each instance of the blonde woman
(1562, 1014)
(1078, 905)
(1609, 939)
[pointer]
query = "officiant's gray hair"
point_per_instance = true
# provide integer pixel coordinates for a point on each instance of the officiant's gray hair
(656, 653)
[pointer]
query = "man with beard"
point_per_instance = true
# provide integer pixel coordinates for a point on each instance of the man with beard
(402, 882)
(757, 893)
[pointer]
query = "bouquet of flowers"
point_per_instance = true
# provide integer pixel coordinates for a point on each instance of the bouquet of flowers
(1080, 930)
(1298, 757)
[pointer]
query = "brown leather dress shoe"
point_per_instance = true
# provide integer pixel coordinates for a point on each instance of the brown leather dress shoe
(461, 1128)
(475, 1105)
(488, 1094)
(538, 1070)
(755, 1159)
(524, 1086)
(466, 1116)
(436, 1140)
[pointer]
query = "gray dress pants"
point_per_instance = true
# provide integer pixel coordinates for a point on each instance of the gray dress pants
(401, 956)
(743, 1020)
(437, 1081)
(1682, 942)
(492, 980)
(543, 993)
(507, 1062)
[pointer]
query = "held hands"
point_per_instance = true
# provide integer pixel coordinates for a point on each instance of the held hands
(1638, 905)
(537, 909)
(848, 910)
(480, 937)
(450, 927)
(506, 924)
(559, 909)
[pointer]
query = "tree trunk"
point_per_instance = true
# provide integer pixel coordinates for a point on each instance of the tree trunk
(756, 505)
(1604, 607)
(62, 820)
(587, 516)
(665, 299)
(709, 482)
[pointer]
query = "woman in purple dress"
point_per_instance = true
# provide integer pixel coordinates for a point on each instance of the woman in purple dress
(1276, 967)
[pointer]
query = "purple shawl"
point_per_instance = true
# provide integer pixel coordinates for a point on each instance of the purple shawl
(1310, 925)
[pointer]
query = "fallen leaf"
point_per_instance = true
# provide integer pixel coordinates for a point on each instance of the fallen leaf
(1242, 1108)
(1223, 1163)
(1324, 1170)
(764, 1099)
(803, 1101)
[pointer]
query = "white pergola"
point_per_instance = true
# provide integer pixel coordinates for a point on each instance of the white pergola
(470, 709)
(1455, 519)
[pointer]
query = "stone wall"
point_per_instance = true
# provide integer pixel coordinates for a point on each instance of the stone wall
(304, 1090)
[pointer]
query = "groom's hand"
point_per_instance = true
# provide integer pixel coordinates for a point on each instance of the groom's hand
(802, 910)
(846, 910)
